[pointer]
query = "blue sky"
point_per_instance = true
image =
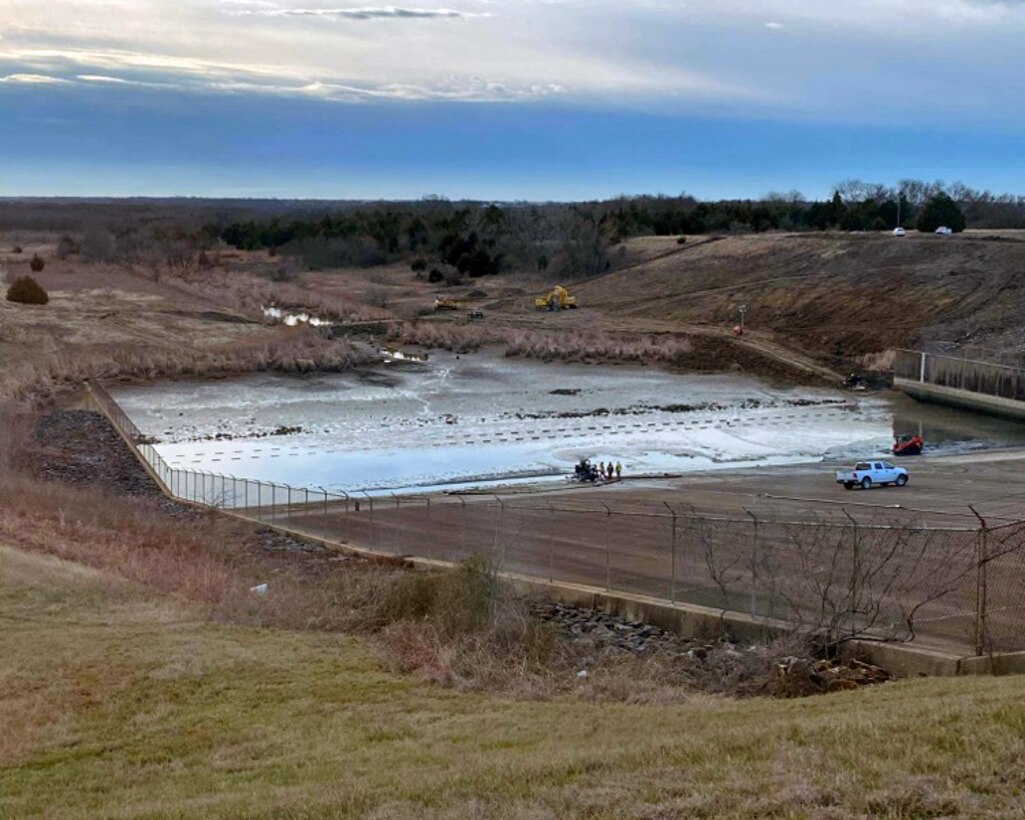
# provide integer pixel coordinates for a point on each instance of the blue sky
(506, 99)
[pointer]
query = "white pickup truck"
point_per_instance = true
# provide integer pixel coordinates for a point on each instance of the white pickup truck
(867, 473)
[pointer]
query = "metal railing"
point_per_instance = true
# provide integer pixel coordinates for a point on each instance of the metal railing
(971, 375)
(889, 579)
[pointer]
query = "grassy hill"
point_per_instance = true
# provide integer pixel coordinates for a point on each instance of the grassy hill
(117, 702)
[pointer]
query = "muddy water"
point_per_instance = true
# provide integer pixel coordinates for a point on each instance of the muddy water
(472, 420)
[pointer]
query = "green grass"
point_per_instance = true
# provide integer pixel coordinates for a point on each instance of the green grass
(115, 702)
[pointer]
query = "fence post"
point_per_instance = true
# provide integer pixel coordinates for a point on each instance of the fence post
(430, 547)
(371, 500)
(551, 548)
(855, 587)
(981, 585)
(608, 548)
(500, 531)
(672, 574)
(463, 502)
(754, 564)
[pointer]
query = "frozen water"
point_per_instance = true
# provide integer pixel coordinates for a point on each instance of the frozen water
(457, 421)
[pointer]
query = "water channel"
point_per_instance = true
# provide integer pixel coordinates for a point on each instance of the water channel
(457, 421)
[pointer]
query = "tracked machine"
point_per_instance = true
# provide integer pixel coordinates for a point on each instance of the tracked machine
(557, 298)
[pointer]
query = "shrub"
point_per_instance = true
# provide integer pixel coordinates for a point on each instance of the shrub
(204, 260)
(435, 276)
(27, 291)
(66, 246)
(37, 263)
(681, 240)
(16, 249)
(418, 264)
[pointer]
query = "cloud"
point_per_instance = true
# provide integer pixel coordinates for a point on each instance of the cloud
(366, 13)
(32, 79)
(103, 79)
(702, 56)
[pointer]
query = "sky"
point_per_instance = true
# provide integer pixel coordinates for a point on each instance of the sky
(506, 99)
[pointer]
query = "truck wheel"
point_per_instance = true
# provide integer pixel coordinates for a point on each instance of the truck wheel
(902, 480)
(848, 485)
(866, 483)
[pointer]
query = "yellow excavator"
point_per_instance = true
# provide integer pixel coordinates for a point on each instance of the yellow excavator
(448, 304)
(557, 298)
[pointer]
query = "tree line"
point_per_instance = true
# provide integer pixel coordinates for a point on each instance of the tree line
(479, 239)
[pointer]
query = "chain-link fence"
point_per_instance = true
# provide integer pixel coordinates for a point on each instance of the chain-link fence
(962, 587)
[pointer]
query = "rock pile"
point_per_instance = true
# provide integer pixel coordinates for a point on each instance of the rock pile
(605, 631)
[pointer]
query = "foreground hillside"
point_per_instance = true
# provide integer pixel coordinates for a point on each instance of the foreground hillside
(120, 703)
(827, 294)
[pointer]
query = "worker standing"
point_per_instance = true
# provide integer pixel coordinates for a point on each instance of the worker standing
(608, 471)
(619, 471)
(601, 469)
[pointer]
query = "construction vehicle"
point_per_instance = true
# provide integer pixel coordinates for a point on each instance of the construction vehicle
(448, 304)
(908, 445)
(586, 471)
(557, 298)
(475, 315)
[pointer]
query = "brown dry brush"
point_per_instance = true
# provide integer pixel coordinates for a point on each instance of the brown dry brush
(855, 581)
(250, 294)
(300, 351)
(572, 345)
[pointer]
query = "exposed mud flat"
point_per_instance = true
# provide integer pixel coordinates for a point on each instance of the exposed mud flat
(466, 420)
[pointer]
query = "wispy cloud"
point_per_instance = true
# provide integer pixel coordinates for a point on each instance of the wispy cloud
(365, 13)
(32, 79)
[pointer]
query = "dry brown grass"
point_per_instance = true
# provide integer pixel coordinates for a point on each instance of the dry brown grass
(249, 294)
(883, 361)
(299, 350)
(567, 345)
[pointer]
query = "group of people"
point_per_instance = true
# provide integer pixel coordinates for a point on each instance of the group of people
(586, 471)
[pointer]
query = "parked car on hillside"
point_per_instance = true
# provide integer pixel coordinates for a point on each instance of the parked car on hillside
(867, 473)
(943, 230)
(899, 232)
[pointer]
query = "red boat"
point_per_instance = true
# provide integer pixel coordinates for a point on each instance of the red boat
(908, 446)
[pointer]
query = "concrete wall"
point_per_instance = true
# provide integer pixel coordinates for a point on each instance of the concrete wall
(990, 388)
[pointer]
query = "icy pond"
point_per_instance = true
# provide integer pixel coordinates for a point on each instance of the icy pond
(471, 420)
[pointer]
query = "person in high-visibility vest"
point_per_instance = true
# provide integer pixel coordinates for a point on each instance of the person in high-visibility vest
(619, 470)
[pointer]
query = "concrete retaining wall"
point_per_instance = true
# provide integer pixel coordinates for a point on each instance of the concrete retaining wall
(989, 388)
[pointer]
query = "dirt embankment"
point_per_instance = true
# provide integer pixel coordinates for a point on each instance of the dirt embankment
(830, 296)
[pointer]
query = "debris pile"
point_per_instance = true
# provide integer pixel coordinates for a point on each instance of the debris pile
(797, 677)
